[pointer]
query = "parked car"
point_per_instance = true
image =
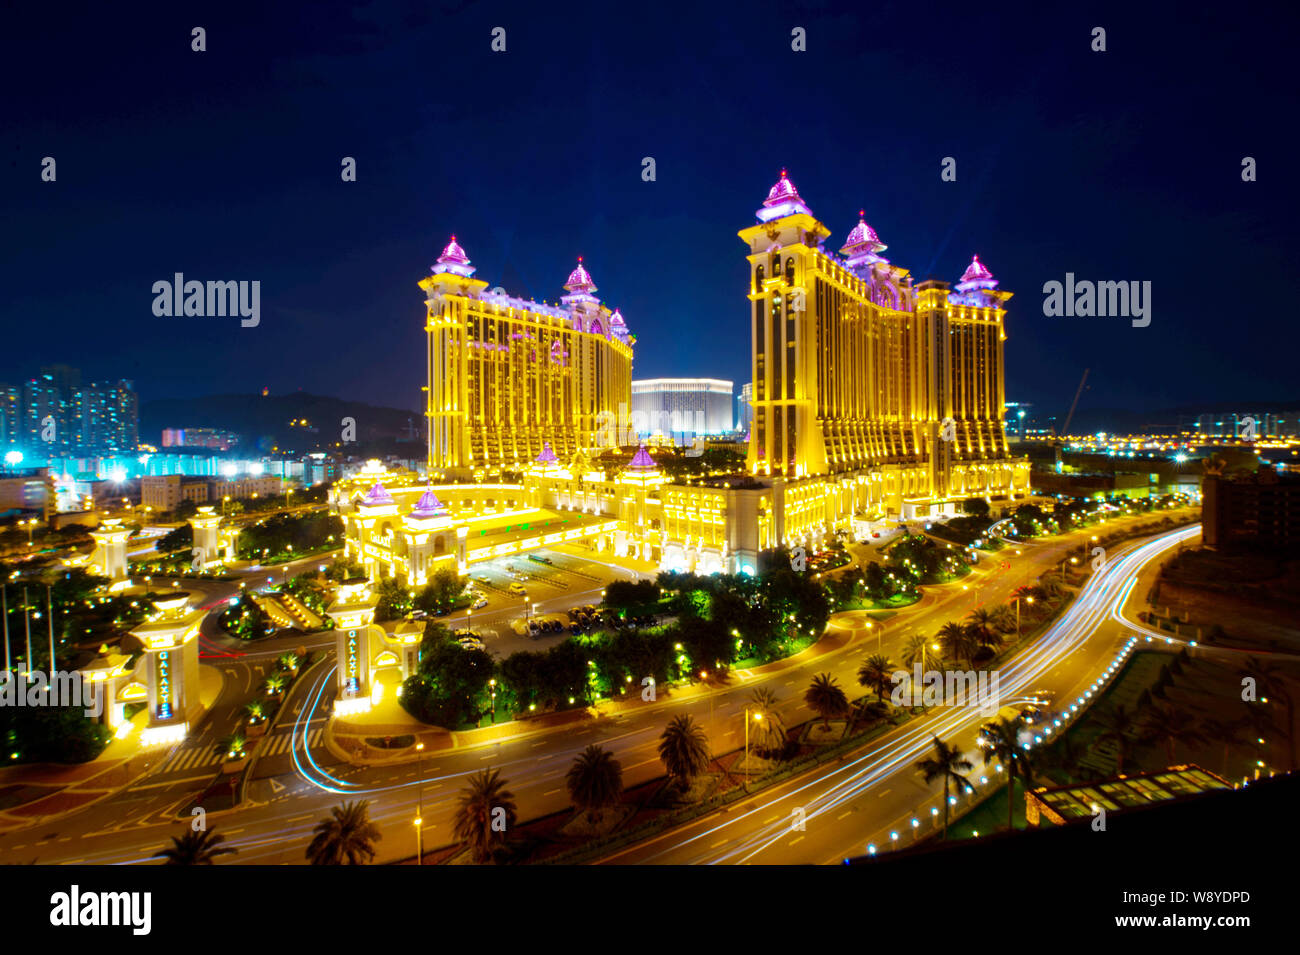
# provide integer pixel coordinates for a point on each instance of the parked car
(470, 643)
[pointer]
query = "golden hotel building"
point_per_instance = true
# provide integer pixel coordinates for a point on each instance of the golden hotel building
(507, 375)
(875, 398)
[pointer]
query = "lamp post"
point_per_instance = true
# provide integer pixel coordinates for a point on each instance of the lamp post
(758, 718)
(419, 812)
(493, 685)
(1028, 600)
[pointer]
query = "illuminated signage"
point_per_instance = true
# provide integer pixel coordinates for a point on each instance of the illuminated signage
(164, 685)
(353, 679)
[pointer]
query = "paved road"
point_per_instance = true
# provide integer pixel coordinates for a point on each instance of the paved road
(297, 784)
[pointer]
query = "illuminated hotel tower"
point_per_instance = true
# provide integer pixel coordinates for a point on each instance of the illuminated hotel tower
(858, 370)
(507, 375)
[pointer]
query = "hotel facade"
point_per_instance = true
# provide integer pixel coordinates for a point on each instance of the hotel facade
(874, 399)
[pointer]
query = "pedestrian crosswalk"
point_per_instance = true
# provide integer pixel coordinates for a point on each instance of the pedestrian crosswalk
(199, 757)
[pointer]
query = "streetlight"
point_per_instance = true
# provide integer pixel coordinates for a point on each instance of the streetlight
(1028, 600)
(758, 718)
(493, 684)
(419, 812)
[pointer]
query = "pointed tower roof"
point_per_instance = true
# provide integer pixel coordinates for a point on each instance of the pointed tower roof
(547, 456)
(428, 505)
(976, 276)
(863, 238)
(454, 260)
(376, 496)
(642, 458)
(617, 319)
(580, 280)
(783, 199)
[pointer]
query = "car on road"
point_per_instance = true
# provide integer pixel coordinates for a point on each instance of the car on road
(480, 603)
(518, 590)
(470, 643)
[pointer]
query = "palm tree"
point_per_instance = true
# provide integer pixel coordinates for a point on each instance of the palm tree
(1118, 727)
(875, 672)
(918, 650)
(1170, 725)
(949, 763)
(484, 801)
(255, 711)
(1065, 755)
(288, 661)
(767, 725)
(195, 848)
(1003, 746)
(826, 698)
(684, 749)
(983, 628)
(957, 640)
(347, 837)
(1268, 679)
(595, 781)
(1003, 619)
(1227, 732)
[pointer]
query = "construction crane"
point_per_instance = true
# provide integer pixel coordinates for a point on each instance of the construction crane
(1065, 428)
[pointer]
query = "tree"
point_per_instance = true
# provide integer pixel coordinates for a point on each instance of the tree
(1003, 620)
(1170, 726)
(347, 837)
(394, 599)
(684, 749)
(875, 672)
(917, 649)
(958, 641)
(948, 763)
(766, 726)
(826, 698)
(195, 848)
(595, 781)
(975, 507)
(1118, 727)
(1003, 746)
(983, 627)
(484, 803)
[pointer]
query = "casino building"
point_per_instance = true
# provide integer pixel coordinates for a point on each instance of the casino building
(875, 398)
(508, 376)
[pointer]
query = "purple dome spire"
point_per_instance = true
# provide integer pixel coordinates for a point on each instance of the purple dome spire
(547, 456)
(428, 505)
(377, 495)
(642, 458)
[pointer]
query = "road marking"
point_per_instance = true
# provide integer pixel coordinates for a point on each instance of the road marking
(276, 786)
(843, 814)
(793, 842)
(720, 842)
(884, 794)
(551, 793)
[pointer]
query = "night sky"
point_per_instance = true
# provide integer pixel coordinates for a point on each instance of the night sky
(1123, 165)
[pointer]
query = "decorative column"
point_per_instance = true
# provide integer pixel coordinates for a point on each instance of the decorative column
(171, 668)
(207, 542)
(353, 613)
(109, 558)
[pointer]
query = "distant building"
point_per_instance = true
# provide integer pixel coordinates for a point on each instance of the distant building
(745, 407)
(199, 438)
(55, 414)
(1259, 510)
(27, 490)
(165, 492)
(681, 407)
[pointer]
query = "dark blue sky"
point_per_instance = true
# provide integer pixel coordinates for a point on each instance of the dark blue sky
(1123, 165)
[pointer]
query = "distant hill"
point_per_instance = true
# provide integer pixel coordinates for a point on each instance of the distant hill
(270, 421)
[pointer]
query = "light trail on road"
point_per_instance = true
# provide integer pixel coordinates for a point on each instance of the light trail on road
(1101, 597)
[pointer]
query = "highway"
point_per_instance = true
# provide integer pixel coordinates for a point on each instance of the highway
(297, 783)
(847, 808)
